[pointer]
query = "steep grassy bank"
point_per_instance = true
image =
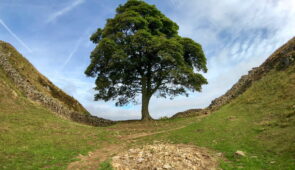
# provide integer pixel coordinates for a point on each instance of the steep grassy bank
(34, 77)
(32, 137)
(260, 122)
(281, 58)
(37, 88)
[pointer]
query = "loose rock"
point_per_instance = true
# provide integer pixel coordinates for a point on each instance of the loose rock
(240, 153)
(165, 156)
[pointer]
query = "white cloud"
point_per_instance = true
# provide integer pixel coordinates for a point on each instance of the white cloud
(237, 35)
(74, 50)
(108, 111)
(63, 11)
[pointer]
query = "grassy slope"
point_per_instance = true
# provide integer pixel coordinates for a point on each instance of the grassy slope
(28, 71)
(31, 137)
(261, 122)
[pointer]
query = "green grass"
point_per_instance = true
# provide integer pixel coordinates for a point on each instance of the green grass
(261, 122)
(31, 137)
(41, 83)
(106, 165)
(35, 138)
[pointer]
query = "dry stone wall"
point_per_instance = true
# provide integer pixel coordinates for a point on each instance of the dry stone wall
(280, 59)
(49, 102)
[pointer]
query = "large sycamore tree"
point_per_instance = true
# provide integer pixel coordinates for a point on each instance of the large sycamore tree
(139, 51)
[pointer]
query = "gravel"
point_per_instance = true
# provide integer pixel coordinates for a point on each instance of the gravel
(165, 156)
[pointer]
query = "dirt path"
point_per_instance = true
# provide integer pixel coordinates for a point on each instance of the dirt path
(140, 135)
(128, 135)
(92, 160)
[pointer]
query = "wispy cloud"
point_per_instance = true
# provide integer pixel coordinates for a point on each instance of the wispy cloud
(15, 36)
(175, 3)
(63, 11)
(77, 45)
(232, 41)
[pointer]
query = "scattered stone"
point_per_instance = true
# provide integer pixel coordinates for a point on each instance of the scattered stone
(167, 166)
(232, 118)
(219, 154)
(272, 162)
(140, 160)
(116, 157)
(165, 156)
(240, 153)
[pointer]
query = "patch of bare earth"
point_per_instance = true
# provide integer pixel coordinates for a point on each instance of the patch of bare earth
(128, 134)
(165, 156)
(92, 160)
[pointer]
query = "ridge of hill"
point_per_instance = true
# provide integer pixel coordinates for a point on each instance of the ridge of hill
(37, 88)
(280, 59)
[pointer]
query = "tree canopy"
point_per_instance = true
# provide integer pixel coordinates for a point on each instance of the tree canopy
(139, 51)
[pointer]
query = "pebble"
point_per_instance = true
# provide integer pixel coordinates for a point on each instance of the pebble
(240, 153)
(219, 154)
(167, 166)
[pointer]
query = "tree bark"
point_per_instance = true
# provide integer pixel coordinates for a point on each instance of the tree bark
(145, 107)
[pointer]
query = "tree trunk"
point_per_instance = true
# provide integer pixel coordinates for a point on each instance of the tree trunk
(145, 107)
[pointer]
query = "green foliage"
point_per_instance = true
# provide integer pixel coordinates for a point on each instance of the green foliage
(106, 165)
(164, 118)
(140, 51)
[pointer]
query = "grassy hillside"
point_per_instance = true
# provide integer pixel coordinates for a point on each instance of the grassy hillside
(37, 88)
(260, 122)
(28, 71)
(31, 137)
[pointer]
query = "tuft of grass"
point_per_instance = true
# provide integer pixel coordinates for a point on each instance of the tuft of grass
(164, 118)
(106, 165)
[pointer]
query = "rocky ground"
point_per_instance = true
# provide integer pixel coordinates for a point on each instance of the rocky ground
(134, 153)
(165, 156)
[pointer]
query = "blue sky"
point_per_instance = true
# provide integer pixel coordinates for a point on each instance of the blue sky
(236, 35)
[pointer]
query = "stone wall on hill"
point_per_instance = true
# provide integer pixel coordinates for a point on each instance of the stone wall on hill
(49, 102)
(280, 59)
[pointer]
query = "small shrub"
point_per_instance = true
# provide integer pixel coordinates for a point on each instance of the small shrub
(105, 165)
(164, 118)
